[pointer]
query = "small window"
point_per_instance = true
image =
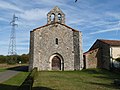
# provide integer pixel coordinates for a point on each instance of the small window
(56, 40)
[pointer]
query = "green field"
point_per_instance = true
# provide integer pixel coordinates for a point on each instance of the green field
(92, 79)
(2, 69)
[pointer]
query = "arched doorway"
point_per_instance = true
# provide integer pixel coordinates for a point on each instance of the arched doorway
(56, 63)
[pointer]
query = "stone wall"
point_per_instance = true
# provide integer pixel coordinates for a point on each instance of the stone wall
(45, 46)
(31, 51)
(77, 41)
(115, 52)
(103, 55)
(76, 50)
(91, 59)
(81, 51)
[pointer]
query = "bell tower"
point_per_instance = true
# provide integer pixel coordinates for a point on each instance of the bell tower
(55, 15)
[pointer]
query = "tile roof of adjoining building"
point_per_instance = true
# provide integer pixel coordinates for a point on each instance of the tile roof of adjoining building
(90, 51)
(56, 23)
(111, 42)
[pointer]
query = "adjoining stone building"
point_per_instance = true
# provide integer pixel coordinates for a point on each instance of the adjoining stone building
(102, 54)
(56, 46)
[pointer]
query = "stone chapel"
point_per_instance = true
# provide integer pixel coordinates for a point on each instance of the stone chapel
(56, 46)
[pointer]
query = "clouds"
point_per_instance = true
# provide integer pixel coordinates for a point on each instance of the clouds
(51, 2)
(2, 19)
(104, 31)
(34, 14)
(7, 5)
(95, 18)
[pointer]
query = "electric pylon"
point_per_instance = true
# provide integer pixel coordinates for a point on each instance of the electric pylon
(12, 44)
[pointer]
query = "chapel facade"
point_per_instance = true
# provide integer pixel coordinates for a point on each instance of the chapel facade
(56, 46)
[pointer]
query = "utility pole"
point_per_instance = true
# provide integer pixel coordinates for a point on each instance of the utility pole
(12, 44)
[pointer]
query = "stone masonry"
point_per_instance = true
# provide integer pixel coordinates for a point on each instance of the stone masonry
(55, 39)
(102, 54)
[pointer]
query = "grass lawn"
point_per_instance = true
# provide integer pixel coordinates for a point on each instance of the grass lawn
(2, 69)
(17, 80)
(14, 82)
(92, 79)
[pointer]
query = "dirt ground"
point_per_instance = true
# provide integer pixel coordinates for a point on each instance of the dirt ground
(10, 66)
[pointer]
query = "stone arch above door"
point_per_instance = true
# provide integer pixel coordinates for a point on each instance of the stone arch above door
(56, 62)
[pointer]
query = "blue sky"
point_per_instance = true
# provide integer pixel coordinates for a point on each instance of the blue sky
(97, 19)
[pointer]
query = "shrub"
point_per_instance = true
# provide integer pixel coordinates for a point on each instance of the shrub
(11, 59)
(2, 59)
(24, 58)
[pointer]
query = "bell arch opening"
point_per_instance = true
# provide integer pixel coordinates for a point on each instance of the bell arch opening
(52, 18)
(56, 62)
(59, 18)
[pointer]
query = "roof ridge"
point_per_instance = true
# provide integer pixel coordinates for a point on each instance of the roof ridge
(107, 40)
(110, 42)
(55, 23)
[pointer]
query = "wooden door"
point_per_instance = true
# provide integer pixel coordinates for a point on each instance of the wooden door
(56, 63)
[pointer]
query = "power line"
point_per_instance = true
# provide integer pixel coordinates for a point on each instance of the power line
(12, 43)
